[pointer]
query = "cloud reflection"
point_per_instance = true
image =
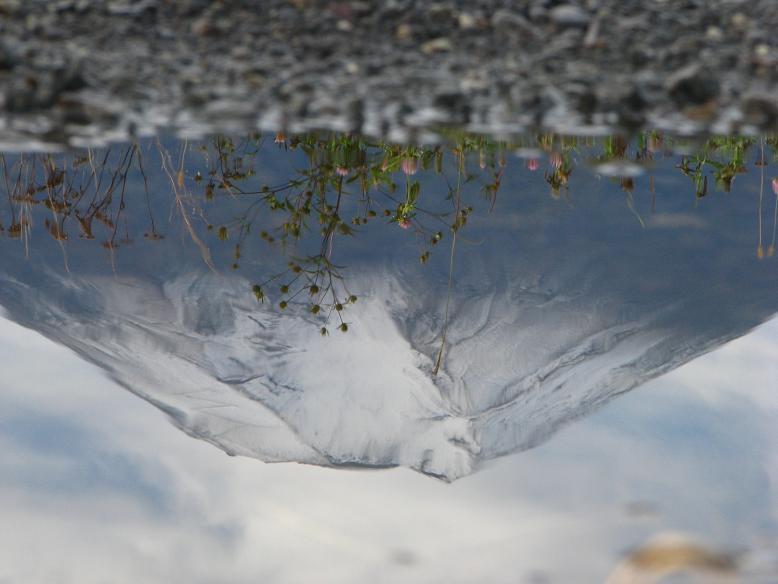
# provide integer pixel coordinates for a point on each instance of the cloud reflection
(556, 511)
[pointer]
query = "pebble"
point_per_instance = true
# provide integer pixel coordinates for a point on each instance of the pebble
(487, 61)
(7, 59)
(403, 32)
(760, 109)
(569, 15)
(9, 6)
(739, 20)
(510, 19)
(714, 33)
(466, 21)
(437, 45)
(692, 85)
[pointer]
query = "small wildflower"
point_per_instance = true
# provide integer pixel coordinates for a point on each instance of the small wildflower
(405, 223)
(341, 171)
(280, 138)
(410, 166)
(532, 164)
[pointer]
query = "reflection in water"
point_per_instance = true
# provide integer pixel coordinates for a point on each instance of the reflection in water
(480, 313)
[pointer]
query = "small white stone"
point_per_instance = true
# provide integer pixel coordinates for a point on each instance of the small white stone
(344, 25)
(466, 21)
(438, 45)
(714, 33)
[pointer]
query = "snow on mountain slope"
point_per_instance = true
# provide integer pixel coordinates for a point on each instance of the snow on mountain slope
(261, 382)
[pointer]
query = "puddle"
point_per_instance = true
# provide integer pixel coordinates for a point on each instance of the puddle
(559, 334)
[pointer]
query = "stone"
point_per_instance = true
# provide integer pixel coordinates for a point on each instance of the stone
(403, 31)
(131, 8)
(691, 85)
(509, 19)
(455, 104)
(9, 6)
(438, 45)
(760, 109)
(7, 59)
(569, 15)
(466, 21)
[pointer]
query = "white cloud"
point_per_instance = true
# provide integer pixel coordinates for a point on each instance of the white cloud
(558, 509)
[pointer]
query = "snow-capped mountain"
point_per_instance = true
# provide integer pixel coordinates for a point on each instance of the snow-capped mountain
(555, 309)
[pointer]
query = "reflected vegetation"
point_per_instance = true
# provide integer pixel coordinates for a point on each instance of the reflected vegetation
(346, 185)
(493, 290)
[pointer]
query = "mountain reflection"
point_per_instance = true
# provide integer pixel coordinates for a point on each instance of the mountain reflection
(490, 292)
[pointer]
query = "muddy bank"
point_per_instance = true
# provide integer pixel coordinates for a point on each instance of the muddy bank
(90, 69)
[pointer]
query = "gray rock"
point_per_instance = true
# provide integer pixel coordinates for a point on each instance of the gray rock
(455, 104)
(569, 15)
(10, 6)
(510, 19)
(485, 62)
(7, 58)
(760, 109)
(692, 85)
(136, 8)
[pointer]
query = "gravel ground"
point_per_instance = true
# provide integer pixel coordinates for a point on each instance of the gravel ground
(89, 69)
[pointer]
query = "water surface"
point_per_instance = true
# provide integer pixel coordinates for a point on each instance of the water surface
(361, 305)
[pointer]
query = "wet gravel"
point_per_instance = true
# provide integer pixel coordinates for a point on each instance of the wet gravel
(89, 69)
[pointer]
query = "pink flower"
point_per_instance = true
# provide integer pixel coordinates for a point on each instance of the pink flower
(532, 164)
(775, 185)
(341, 171)
(405, 223)
(410, 165)
(555, 158)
